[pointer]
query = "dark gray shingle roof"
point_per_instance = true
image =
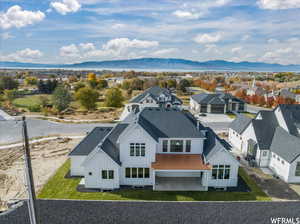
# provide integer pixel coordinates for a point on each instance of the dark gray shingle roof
(214, 98)
(264, 129)
(285, 145)
(154, 92)
(110, 146)
(291, 114)
(240, 123)
(213, 144)
(168, 123)
(90, 141)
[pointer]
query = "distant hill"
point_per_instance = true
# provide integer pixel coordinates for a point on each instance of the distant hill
(163, 63)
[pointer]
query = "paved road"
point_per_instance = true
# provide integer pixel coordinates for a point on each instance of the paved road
(95, 212)
(218, 126)
(10, 131)
(255, 109)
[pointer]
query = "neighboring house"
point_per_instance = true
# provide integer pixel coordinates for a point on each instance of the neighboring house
(152, 97)
(256, 90)
(165, 148)
(271, 139)
(216, 103)
(113, 81)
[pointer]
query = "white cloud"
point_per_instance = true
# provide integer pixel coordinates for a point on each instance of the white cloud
(25, 55)
(115, 48)
(69, 51)
(165, 52)
(87, 46)
(195, 10)
(236, 49)
(273, 41)
(6, 36)
(278, 4)
(246, 37)
(187, 14)
(119, 45)
(66, 6)
(16, 17)
(118, 26)
(207, 38)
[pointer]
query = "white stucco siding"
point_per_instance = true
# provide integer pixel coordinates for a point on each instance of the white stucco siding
(292, 177)
(279, 166)
(194, 105)
(235, 139)
(247, 134)
(76, 168)
(136, 134)
(93, 172)
(280, 119)
(196, 145)
(224, 158)
(263, 158)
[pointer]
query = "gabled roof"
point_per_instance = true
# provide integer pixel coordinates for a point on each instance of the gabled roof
(215, 98)
(285, 145)
(291, 115)
(110, 146)
(90, 141)
(264, 128)
(213, 144)
(240, 123)
(154, 92)
(169, 123)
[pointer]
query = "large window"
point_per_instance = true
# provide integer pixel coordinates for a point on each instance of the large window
(176, 146)
(107, 174)
(188, 145)
(297, 172)
(165, 145)
(137, 149)
(221, 172)
(134, 172)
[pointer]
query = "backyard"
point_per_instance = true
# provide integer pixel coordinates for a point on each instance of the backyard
(59, 187)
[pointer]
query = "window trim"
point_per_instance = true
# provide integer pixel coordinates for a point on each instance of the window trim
(106, 174)
(221, 171)
(145, 172)
(137, 149)
(297, 169)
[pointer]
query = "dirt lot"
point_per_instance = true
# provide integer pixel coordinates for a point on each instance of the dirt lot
(46, 158)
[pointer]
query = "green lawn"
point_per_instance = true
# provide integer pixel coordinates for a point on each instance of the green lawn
(29, 101)
(59, 187)
(233, 116)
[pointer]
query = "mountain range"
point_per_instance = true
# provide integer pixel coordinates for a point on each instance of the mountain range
(161, 63)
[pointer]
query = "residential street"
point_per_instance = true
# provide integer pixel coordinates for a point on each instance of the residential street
(79, 212)
(10, 131)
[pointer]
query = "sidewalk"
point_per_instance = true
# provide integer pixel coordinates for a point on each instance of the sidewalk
(4, 116)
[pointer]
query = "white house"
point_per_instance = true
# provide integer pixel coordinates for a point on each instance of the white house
(152, 97)
(216, 103)
(271, 139)
(165, 148)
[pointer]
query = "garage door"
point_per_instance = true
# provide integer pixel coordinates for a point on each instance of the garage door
(218, 109)
(203, 108)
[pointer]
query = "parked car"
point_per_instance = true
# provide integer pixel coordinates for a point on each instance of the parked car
(202, 115)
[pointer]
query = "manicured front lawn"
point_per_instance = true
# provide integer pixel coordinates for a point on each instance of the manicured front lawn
(65, 188)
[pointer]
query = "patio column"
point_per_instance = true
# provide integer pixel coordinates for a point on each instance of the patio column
(153, 182)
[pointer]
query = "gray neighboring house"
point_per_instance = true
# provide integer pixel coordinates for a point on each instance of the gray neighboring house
(271, 139)
(216, 103)
(152, 97)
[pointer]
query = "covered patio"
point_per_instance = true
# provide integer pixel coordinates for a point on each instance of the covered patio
(180, 172)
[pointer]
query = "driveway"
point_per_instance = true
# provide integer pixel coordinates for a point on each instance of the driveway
(11, 131)
(215, 118)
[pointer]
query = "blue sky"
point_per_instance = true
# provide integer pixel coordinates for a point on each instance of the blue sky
(68, 31)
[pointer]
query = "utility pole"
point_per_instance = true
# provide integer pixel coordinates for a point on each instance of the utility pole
(29, 177)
